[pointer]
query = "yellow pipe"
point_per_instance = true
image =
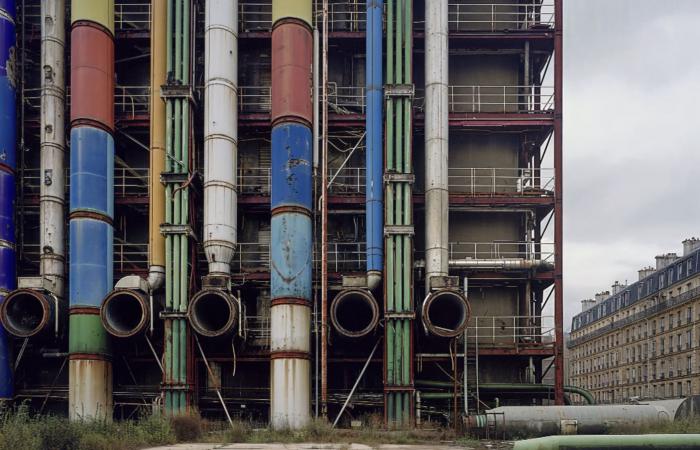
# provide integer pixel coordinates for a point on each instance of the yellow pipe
(159, 51)
(98, 11)
(295, 9)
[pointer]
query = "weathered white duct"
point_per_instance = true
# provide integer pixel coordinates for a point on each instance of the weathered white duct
(220, 133)
(52, 135)
(436, 140)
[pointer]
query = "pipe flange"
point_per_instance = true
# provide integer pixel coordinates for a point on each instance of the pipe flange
(353, 295)
(26, 312)
(213, 313)
(125, 312)
(454, 309)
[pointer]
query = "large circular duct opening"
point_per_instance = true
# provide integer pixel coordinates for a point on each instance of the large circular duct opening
(354, 313)
(125, 313)
(25, 312)
(213, 313)
(446, 313)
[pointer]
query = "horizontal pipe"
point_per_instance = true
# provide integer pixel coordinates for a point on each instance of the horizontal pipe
(445, 313)
(506, 264)
(213, 313)
(125, 312)
(28, 312)
(646, 441)
(354, 313)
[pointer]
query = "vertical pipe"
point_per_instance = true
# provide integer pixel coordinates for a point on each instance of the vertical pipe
(374, 157)
(324, 221)
(91, 206)
(52, 135)
(156, 247)
(436, 140)
(220, 133)
(558, 210)
(8, 139)
(291, 203)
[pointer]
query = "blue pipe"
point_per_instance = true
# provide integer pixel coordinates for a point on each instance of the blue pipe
(374, 153)
(8, 164)
(291, 227)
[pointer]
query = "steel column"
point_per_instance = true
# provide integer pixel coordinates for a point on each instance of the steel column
(558, 209)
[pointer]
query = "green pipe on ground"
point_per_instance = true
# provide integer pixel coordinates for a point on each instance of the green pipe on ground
(640, 441)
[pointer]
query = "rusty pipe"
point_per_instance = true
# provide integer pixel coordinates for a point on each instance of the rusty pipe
(27, 312)
(125, 312)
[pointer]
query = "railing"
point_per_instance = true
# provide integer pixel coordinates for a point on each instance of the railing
(495, 99)
(127, 16)
(501, 180)
(511, 330)
(132, 16)
(502, 250)
(346, 99)
(467, 16)
(127, 181)
(128, 100)
(348, 180)
(254, 180)
(254, 16)
(661, 306)
(253, 99)
(127, 256)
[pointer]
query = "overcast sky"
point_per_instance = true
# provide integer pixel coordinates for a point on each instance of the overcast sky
(631, 138)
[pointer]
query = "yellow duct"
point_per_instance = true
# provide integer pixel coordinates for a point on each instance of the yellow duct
(157, 163)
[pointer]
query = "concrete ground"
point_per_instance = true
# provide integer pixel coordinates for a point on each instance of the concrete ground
(484, 445)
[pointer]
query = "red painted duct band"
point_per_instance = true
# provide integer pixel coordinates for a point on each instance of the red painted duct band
(92, 76)
(292, 55)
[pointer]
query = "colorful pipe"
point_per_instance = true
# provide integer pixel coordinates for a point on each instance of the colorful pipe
(178, 95)
(91, 206)
(291, 203)
(8, 139)
(28, 312)
(398, 285)
(156, 210)
(214, 310)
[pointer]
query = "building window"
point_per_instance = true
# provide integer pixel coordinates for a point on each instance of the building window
(689, 365)
(689, 338)
(689, 314)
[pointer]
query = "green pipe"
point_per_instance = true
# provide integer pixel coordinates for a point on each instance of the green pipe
(506, 387)
(640, 441)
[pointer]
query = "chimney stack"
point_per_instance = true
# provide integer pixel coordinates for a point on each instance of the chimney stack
(690, 245)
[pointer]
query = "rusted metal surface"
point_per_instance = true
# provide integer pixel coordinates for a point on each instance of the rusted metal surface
(292, 56)
(354, 313)
(92, 76)
(90, 395)
(289, 403)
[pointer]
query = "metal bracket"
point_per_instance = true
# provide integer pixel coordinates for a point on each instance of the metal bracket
(399, 90)
(399, 229)
(172, 315)
(400, 315)
(177, 91)
(169, 229)
(399, 178)
(174, 177)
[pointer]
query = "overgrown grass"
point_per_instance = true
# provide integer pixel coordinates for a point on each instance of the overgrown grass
(19, 430)
(682, 426)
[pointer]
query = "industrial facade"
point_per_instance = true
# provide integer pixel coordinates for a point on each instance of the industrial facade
(640, 341)
(275, 210)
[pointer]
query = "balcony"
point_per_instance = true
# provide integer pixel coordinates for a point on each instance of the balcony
(490, 333)
(527, 251)
(128, 182)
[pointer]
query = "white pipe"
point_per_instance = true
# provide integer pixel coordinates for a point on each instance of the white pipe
(512, 263)
(52, 136)
(220, 133)
(436, 140)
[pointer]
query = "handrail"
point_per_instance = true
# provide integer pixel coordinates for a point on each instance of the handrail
(495, 99)
(542, 251)
(498, 180)
(511, 330)
(127, 181)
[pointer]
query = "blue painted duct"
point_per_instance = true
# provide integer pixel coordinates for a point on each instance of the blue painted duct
(374, 153)
(8, 138)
